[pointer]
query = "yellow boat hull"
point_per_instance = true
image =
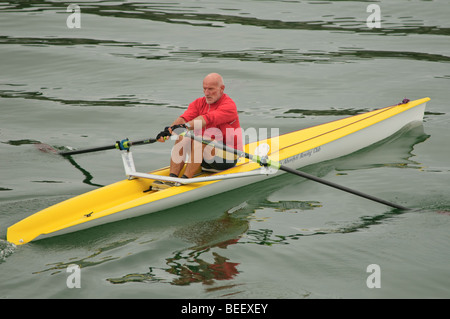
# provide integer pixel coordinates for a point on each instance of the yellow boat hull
(130, 198)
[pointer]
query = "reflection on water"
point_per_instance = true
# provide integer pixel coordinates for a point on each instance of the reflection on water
(192, 269)
(329, 112)
(201, 263)
(94, 259)
(207, 261)
(395, 151)
(121, 101)
(88, 176)
(267, 237)
(154, 51)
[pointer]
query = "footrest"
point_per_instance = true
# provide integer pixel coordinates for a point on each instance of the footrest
(161, 185)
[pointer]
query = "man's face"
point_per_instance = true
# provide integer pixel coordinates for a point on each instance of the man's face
(212, 91)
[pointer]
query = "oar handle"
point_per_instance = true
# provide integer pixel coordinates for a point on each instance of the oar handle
(107, 147)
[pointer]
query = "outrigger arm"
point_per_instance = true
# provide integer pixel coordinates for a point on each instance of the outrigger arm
(130, 172)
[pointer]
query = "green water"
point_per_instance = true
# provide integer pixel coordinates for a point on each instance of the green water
(133, 67)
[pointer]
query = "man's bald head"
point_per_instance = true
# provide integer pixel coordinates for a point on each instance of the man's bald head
(213, 87)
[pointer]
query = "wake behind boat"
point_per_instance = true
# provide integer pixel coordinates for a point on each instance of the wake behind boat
(135, 196)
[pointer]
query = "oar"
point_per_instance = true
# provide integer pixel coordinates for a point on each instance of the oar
(268, 162)
(341, 187)
(125, 144)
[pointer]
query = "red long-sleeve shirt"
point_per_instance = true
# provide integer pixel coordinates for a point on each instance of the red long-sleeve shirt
(221, 117)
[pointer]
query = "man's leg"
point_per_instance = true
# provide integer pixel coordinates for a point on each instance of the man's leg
(199, 151)
(178, 156)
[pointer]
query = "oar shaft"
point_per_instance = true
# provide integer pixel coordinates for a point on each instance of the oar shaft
(107, 147)
(341, 187)
(87, 150)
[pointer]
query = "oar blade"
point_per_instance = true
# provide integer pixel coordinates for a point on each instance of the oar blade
(46, 148)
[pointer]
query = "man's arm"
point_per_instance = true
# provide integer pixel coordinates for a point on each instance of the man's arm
(190, 124)
(179, 120)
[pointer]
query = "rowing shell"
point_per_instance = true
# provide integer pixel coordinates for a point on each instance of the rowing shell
(133, 196)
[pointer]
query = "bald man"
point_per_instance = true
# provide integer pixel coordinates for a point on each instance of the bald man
(213, 116)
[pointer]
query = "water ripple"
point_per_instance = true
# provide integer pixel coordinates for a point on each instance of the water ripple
(6, 249)
(155, 51)
(177, 13)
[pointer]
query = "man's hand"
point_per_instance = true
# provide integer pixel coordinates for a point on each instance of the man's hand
(178, 128)
(163, 135)
(169, 130)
